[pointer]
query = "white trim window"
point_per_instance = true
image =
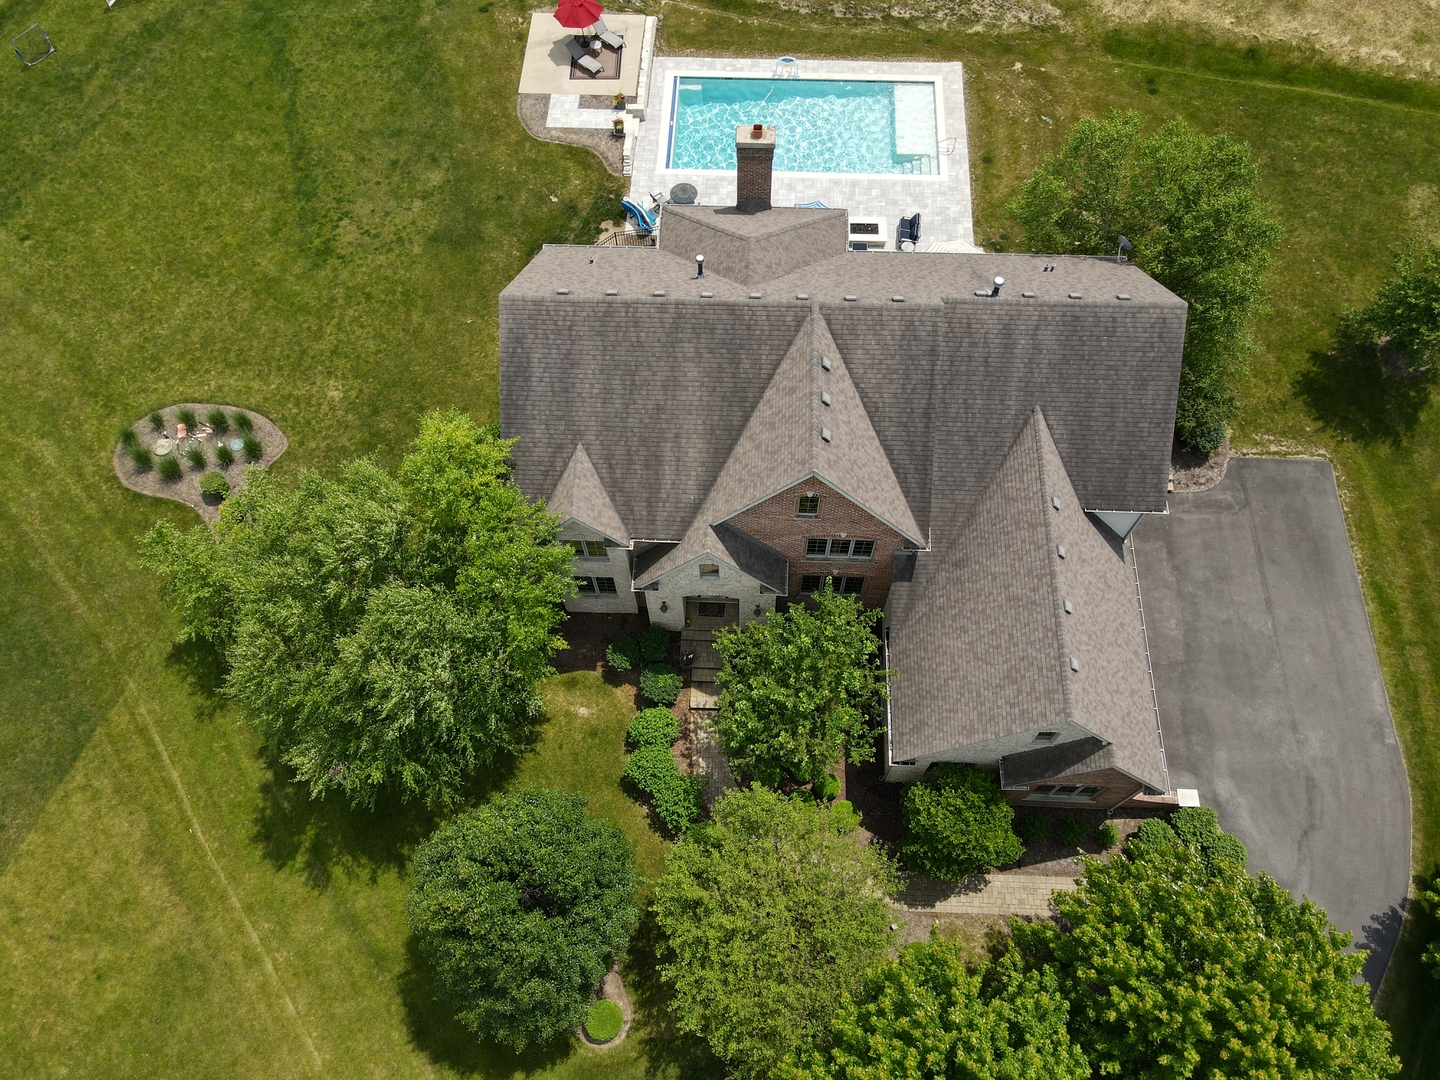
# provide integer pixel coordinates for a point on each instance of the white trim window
(589, 549)
(595, 586)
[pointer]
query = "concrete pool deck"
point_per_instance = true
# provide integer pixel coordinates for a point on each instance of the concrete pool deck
(943, 200)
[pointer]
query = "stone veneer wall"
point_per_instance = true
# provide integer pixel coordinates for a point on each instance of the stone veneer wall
(616, 564)
(776, 522)
(685, 581)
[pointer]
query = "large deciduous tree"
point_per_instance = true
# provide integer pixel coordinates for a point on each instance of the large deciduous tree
(381, 631)
(1177, 964)
(769, 916)
(923, 1016)
(800, 690)
(1190, 205)
(521, 907)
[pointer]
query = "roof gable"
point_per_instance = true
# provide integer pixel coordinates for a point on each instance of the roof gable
(580, 496)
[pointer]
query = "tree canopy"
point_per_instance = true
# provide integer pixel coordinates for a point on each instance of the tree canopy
(1180, 965)
(521, 907)
(800, 690)
(1405, 312)
(923, 1016)
(1189, 203)
(769, 916)
(379, 630)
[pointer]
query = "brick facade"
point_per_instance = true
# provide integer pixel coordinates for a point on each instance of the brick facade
(777, 522)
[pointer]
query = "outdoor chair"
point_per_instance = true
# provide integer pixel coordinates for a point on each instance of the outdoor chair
(909, 230)
(610, 38)
(581, 56)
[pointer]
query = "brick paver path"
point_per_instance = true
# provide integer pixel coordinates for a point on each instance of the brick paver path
(707, 760)
(993, 894)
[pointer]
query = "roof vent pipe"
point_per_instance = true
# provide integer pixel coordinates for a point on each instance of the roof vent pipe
(699, 266)
(998, 282)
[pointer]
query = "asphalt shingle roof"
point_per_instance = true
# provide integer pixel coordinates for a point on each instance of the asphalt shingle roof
(580, 496)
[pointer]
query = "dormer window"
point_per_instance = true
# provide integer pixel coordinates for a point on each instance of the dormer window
(709, 569)
(589, 549)
(809, 506)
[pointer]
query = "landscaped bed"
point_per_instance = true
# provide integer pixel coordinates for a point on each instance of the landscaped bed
(195, 453)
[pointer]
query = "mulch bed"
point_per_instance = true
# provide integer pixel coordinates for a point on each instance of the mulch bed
(534, 108)
(187, 488)
(1191, 470)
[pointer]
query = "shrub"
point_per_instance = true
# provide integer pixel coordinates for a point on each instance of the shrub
(1199, 826)
(1152, 836)
(803, 794)
(661, 684)
(243, 422)
(826, 788)
(623, 654)
(141, 459)
(653, 773)
(1072, 831)
(196, 457)
(1405, 313)
(186, 417)
(1033, 829)
(126, 437)
(654, 642)
(604, 1021)
(157, 421)
(252, 448)
(652, 727)
(169, 468)
(844, 816)
(957, 821)
(215, 485)
(224, 455)
(521, 907)
(217, 419)
(1108, 835)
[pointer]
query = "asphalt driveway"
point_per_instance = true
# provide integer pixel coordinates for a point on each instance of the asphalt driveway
(1271, 703)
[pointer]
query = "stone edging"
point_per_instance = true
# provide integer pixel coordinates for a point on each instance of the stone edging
(612, 988)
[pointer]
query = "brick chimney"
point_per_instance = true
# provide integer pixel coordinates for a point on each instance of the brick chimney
(754, 161)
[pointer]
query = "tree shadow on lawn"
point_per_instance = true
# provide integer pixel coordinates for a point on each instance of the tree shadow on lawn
(668, 1051)
(435, 1031)
(199, 663)
(1348, 391)
(325, 835)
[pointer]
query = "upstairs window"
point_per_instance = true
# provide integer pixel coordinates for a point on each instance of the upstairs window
(709, 569)
(809, 506)
(817, 548)
(811, 583)
(595, 586)
(589, 549)
(1070, 792)
(851, 586)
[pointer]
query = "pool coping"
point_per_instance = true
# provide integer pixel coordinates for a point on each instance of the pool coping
(943, 199)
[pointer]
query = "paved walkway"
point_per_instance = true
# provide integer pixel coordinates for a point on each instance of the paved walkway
(994, 894)
(706, 759)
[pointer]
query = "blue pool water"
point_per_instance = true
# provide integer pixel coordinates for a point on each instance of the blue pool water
(821, 125)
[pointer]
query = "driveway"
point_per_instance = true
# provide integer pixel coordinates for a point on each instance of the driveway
(1271, 703)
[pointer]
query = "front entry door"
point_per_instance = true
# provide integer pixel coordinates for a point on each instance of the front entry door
(710, 613)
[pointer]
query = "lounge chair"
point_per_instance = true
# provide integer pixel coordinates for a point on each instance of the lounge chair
(909, 230)
(581, 56)
(610, 38)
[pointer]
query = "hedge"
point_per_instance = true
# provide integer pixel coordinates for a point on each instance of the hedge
(652, 727)
(661, 684)
(676, 799)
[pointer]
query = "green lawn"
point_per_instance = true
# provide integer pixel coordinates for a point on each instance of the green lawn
(309, 210)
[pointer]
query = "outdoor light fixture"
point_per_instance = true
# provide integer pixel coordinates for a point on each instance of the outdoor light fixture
(664, 606)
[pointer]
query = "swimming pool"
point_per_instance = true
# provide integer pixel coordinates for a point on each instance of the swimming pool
(821, 125)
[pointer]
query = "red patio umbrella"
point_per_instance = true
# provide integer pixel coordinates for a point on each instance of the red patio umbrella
(578, 14)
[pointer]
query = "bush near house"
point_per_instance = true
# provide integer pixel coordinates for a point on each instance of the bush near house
(652, 727)
(654, 643)
(661, 684)
(1033, 828)
(521, 907)
(957, 822)
(1072, 831)
(623, 654)
(652, 772)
